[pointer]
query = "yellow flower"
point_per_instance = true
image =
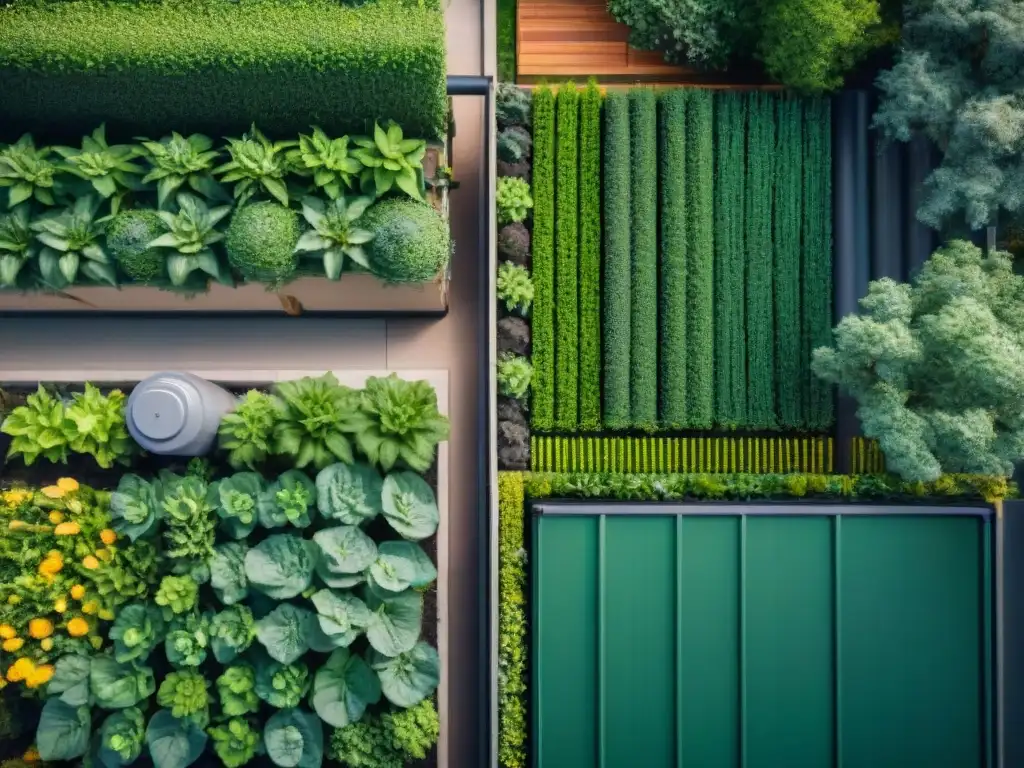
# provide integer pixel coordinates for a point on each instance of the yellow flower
(90, 608)
(14, 644)
(67, 529)
(14, 498)
(56, 517)
(78, 592)
(90, 562)
(39, 676)
(32, 754)
(13, 599)
(52, 491)
(107, 536)
(106, 614)
(105, 555)
(67, 484)
(51, 565)
(78, 627)
(14, 673)
(7, 632)
(40, 628)
(60, 604)
(17, 525)
(46, 644)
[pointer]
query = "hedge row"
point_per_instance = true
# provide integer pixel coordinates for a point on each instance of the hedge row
(590, 257)
(543, 312)
(512, 622)
(214, 65)
(786, 255)
(567, 259)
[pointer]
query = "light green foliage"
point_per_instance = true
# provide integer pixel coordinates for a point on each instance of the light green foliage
(188, 640)
(40, 428)
(515, 288)
(18, 247)
(590, 257)
(178, 161)
(410, 508)
(72, 243)
(312, 426)
(237, 498)
(177, 594)
(514, 375)
(261, 242)
(643, 360)
(388, 740)
(184, 693)
(335, 233)
(506, 41)
(109, 170)
(236, 689)
(543, 321)
(246, 433)
(137, 630)
(512, 648)
(129, 235)
(411, 241)
(290, 500)
(397, 423)
(329, 162)
(189, 524)
(390, 161)
(616, 309)
(190, 235)
(673, 214)
(129, 575)
(235, 742)
(965, 97)
(513, 199)
(27, 172)
(123, 733)
(934, 365)
(786, 231)
(414, 730)
(567, 267)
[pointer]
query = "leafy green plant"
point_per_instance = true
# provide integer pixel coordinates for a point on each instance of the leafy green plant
(567, 266)
(137, 630)
(236, 688)
(122, 737)
(410, 508)
(333, 167)
(129, 235)
(246, 433)
(185, 694)
(188, 640)
(590, 257)
(235, 742)
(40, 428)
(191, 233)
(515, 287)
(178, 161)
(227, 572)
(190, 526)
(514, 144)
(513, 199)
(397, 422)
(411, 240)
(290, 500)
(177, 595)
(100, 430)
(72, 241)
(514, 375)
(281, 566)
(261, 242)
(27, 172)
(414, 730)
(257, 165)
(543, 242)
(389, 160)
(512, 105)
(232, 632)
(135, 506)
(294, 737)
(282, 685)
(109, 170)
(311, 428)
(18, 246)
(334, 234)
(237, 502)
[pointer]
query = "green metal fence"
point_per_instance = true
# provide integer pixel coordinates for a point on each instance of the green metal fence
(727, 636)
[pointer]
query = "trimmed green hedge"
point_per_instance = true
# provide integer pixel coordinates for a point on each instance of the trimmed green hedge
(643, 379)
(760, 274)
(567, 351)
(788, 180)
(512, 622)
(673, 213)
(590, 257)
(543, 314)
(700, 254)
(615, 309)
(215, 66)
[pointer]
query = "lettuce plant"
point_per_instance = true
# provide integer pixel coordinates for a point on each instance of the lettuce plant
(311, 427)
(100, 429)
(137, 630)
(350, 494)
(236, 689)
(72, 242)
(188, 640)
(281, 566)
(282, 685)
(27, 172)
(190, 237)
(328, 160)
(408, 677)
(177, 595)
(514, 374)
(233, 631)
(235, 742)
(513, 200)
(257, 164)
(294, 737)
(177, 161)
(109, 170)
(185, 693)
(40, 428)
(114, 685)
(135, 506)
(190, 528)
(237, 500)
(391, 739)
(227, 572)
(415, 730)
(290, 500)
(334, 234)
(389, 160)
(18, 246)
(343, 688)
(397, 421)
(246, 433)
(122, 737)
(515, 287)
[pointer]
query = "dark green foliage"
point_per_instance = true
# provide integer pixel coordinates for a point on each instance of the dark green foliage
(817, 259)
(567, 353)
(213, 66)
(643, 379)
(507, 41)
(512, 106)
(788, 181)
(730, 331)
(543, 242)
(700, 224)
(260, 242)
(590, 258)
(128, 237)
(514, 144)
(672, 310)
(759, 278)
(615, 309)
(411, 240)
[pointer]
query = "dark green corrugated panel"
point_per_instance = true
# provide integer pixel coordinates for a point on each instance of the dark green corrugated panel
(672, 641)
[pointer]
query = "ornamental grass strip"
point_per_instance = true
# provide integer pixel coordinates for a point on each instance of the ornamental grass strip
(567, 258)
(590, 258)
(543, 242)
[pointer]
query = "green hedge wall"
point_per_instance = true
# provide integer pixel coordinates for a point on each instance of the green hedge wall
(590, 258)
(543, 242)
(643, 379)
(615, 308)
(786, 230)
(215, 66)
(567, 349)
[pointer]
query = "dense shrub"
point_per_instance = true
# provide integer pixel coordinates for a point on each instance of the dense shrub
(514, 244)
(261, 241)
(215, 65)
(128, 237)
(567, 259)
(590, 258)
(512, 106)
(786, 231)
(615, 309)
(411, 241)
(643, 379)
(543, 412)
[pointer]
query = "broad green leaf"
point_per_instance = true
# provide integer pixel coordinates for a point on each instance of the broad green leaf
(400, 565)
(294, 739)
(343, 688)
(342, 616)
(409, 677)
(116, 686)
(285, 632)
(281, 566)
(173, 742)
(345, 551)
(350, 494)
(227, 572)
(394, 625)
(70, 680)
(410, 506)
(63, 732)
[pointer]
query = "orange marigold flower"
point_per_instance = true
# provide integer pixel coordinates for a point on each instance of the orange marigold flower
(56, 517)
(77, 592)
(7, 632)
(51, 565)
(107, 536)
(20, 669)
(68, 529)
(90, 562)
(52, 492)
(78, 627)
(67, 484)
(40, 628)
(14, 644)
(31, 755)
(39, 676)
